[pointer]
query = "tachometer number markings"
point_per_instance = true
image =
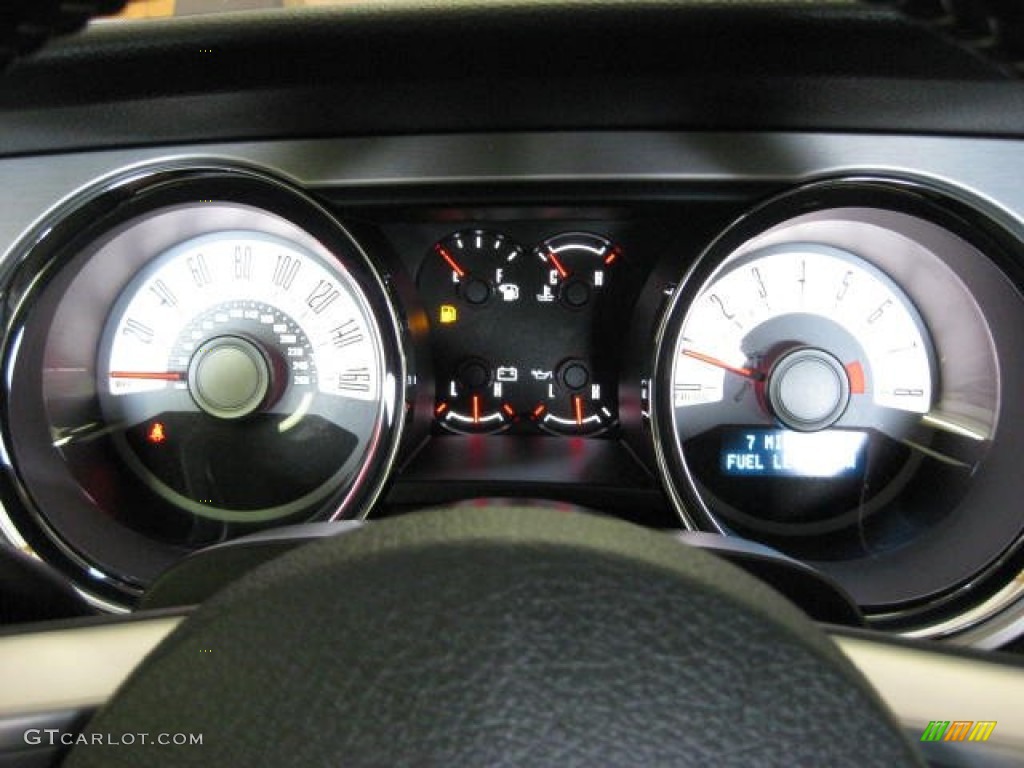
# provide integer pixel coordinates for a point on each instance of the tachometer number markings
(716, 299)
(844, 286)
(762, 290)
(877, 314)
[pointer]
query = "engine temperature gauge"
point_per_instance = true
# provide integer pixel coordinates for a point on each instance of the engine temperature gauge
(577, 265)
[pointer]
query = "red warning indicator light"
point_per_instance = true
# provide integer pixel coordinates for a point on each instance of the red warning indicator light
(156, 434)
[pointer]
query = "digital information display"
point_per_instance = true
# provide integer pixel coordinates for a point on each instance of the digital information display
(782, 453)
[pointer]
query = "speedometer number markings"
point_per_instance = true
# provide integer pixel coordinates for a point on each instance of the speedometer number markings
(200, 271)
(321, 297)
(285, 270)
(346, 334)
(164, 294)
(243, 262)
(354, 380)
(139, 330)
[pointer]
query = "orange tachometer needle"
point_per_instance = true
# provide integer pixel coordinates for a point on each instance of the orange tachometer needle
(558, 265)
(443, 253)
(747, 373)
(577, 403)
(149, 375)
(476, 409)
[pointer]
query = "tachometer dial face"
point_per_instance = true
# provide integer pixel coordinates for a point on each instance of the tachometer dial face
(797, 375)
(760, 313)
(241, 374)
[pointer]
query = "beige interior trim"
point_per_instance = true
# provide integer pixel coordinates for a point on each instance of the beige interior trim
(922, 686)
(74, 668)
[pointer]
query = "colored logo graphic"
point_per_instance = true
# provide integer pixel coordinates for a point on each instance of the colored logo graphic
(958, 730)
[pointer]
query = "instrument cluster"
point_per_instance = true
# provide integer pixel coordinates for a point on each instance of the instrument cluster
(203, 351)
(519, 338)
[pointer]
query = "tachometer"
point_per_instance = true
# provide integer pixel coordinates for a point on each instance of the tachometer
(796, 367)
(828, 380)
(804, 328)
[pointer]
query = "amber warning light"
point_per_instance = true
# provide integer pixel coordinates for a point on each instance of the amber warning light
(156, 433)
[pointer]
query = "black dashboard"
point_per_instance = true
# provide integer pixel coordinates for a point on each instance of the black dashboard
(579, 256)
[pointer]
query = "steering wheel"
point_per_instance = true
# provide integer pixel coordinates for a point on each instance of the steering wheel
(508, 636)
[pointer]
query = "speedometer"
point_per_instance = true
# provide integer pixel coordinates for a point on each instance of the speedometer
(241, 371)
(198, 353)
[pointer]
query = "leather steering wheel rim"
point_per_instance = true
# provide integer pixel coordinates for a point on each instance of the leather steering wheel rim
(500, 636)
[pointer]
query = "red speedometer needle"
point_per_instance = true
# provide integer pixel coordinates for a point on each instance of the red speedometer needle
(747, 373)
(577, 403)
(443, 253)
(149, 375)
(558, 265)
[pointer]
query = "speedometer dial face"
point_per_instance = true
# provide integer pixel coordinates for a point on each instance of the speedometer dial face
(242, 374)
(208, 354)
(797, 377)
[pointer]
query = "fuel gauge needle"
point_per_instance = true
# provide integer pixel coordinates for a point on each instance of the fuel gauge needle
(149, 375)
(747, 373)
(444, 254)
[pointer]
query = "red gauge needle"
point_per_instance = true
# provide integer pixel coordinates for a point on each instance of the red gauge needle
(558, 265)
(476, 409)
(149, 375)
(747, 373)
(577, 403)
(443, 253)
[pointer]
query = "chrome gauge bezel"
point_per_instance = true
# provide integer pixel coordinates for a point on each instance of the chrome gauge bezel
(160, 206)
(988, 271)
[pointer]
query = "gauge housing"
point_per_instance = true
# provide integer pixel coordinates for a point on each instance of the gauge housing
(86, 497)
(927, 538)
